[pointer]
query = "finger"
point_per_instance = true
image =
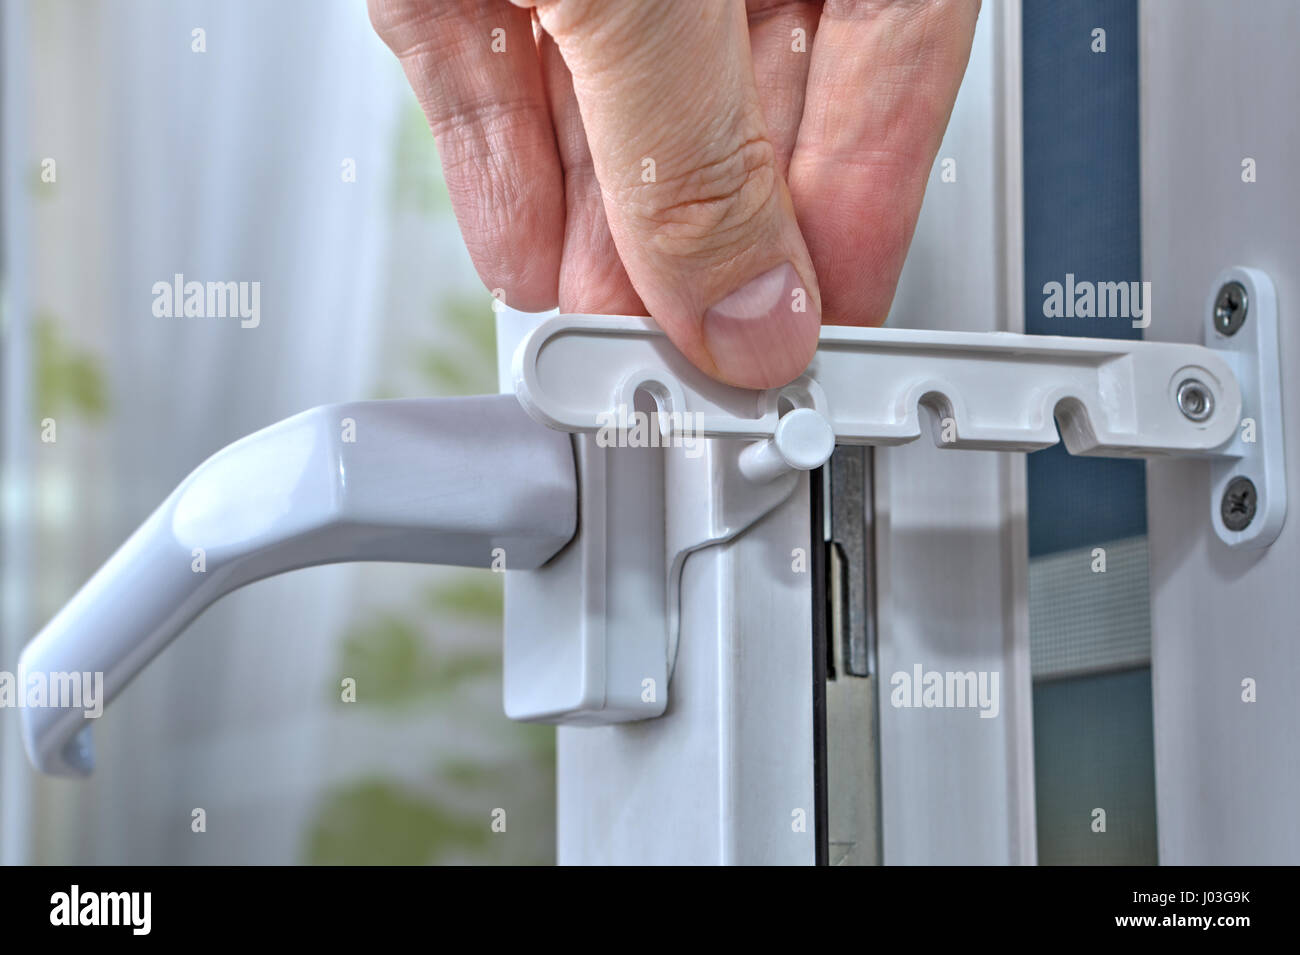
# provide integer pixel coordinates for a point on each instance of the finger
(483, 94)
(698, 210)
(881, 86)
(781, 40)
(592, 277)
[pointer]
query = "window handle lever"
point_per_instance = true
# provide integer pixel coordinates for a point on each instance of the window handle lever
(472, 482)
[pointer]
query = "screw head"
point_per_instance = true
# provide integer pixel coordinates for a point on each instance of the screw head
(1237, 508)
(1195, 400)
(1230, 307)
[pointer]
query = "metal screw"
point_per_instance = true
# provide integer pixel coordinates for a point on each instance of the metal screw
(1195, 400)
(1239, 503)
(1230, 307)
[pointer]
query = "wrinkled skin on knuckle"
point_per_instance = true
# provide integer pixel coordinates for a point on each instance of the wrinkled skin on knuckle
(710, 206)
(401, 23)
(562, 17)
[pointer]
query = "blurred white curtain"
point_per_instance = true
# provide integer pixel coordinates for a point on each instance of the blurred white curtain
(227, 165)
(223, 165)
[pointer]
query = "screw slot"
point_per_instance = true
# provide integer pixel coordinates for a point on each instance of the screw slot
(1230, 307)
(1240, 500)
(1195, 400)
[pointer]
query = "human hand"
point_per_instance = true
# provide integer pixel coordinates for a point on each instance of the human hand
(742, 171)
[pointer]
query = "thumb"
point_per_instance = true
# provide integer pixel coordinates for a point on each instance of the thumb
(696, 205)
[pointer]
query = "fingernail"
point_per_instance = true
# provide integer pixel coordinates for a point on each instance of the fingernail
(763, 334)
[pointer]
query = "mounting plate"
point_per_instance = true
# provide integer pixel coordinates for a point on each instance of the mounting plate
(1257, 452)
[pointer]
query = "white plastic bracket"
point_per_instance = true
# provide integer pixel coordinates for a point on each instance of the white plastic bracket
(589, 375)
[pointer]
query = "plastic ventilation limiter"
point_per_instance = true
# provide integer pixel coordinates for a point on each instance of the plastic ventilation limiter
(980, 390)
(991, 391)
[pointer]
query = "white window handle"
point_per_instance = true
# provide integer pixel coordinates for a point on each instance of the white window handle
(465, 481)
